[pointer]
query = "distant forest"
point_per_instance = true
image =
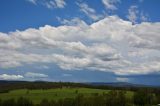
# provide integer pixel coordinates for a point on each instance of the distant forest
(143, 96)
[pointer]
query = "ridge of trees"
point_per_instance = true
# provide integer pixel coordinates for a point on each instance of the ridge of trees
(141, 97)
(6, 86)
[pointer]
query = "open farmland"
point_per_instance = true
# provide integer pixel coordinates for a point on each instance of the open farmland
(54, 94)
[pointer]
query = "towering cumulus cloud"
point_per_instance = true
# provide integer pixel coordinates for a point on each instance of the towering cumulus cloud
(111, 45)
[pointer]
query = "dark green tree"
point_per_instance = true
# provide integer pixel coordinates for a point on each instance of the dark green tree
(9, 102)
(45, 102)
(143, 97)
(24, 102)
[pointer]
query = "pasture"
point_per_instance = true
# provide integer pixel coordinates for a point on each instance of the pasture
(54, 94)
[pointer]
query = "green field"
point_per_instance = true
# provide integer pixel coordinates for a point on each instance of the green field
(53, 94)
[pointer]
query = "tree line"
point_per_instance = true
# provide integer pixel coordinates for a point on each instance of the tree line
(142, 97)
(6, 86)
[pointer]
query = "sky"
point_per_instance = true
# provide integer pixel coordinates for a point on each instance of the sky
(80, 40)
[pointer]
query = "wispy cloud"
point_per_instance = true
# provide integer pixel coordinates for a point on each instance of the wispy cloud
(122, 79)
(55, 4)
(49, 3)
(134, 14)
(35, 75)
(32, 1)
(60, 3)
(72, 22)
(110, 4)
(66, 75)
(90, 12)
(144, 17)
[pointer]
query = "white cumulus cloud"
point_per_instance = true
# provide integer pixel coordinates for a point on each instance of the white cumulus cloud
(10, 77)
(110, 44)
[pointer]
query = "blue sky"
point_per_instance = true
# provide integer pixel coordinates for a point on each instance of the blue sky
(80, 40)
(23, 14)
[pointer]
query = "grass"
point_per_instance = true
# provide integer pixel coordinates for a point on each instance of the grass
(60, 93)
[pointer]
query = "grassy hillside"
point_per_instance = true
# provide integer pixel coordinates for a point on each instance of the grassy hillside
(54, 94)
(75, 94)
